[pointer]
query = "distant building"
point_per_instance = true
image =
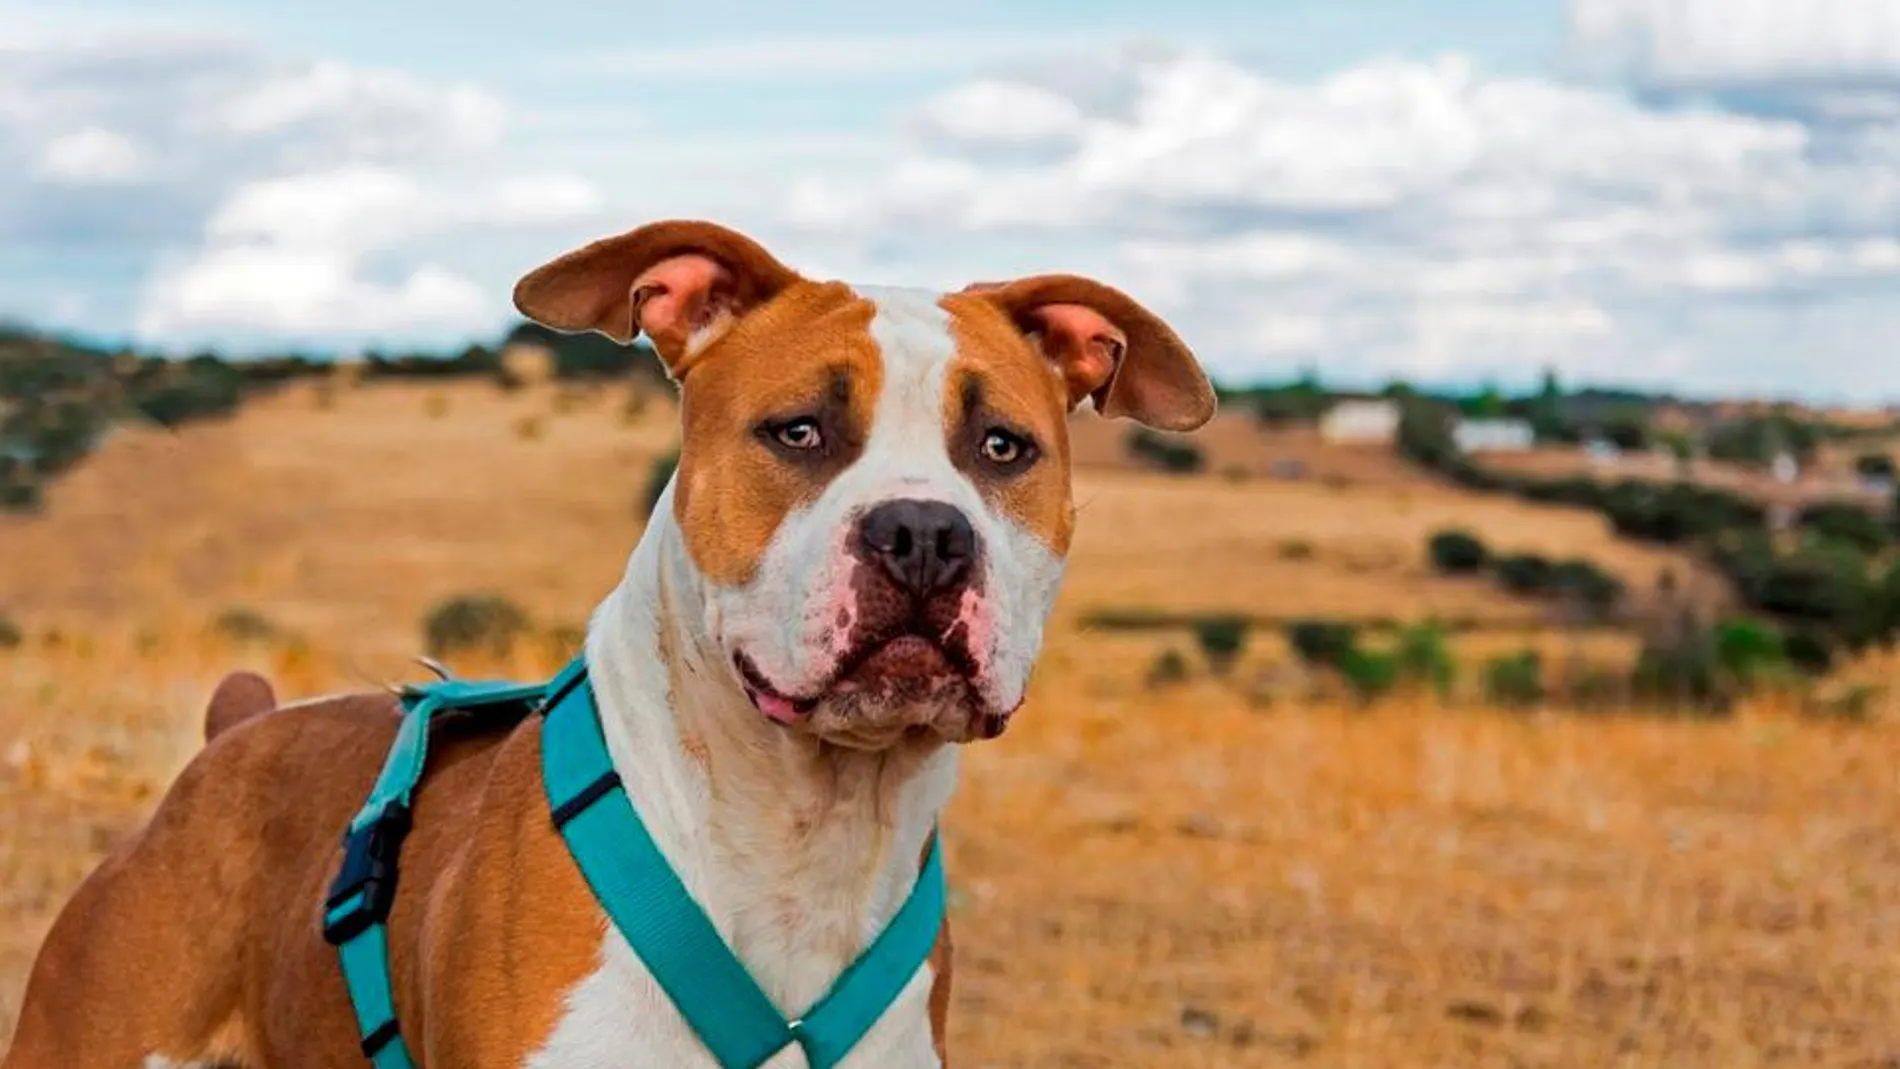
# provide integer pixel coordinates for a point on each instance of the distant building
(1785, 468)
(1363, 422)
(1493, 435)
(1875, 485)
(1602, 452)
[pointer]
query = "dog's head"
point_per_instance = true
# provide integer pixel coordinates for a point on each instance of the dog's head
(873, 484)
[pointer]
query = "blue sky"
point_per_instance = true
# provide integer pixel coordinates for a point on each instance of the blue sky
(1699, 194)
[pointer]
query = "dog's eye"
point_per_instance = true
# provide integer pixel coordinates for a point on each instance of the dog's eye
(800, 434)
(1005, 450)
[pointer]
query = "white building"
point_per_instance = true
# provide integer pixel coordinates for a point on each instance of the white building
(1493, 435)
(1368, 422)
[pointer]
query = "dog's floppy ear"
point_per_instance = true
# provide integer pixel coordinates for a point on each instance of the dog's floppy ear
(1107, 347)
(681, 282)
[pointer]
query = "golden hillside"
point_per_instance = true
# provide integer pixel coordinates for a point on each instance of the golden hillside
(1219, 873)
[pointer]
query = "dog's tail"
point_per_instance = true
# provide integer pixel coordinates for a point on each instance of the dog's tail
(239, 697)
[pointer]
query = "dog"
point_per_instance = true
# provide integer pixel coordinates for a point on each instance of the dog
(848, 576)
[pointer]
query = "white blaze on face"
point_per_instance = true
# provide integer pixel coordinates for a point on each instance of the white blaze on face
(794, 619)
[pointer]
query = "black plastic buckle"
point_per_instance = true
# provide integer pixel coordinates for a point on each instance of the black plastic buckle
(370, 854)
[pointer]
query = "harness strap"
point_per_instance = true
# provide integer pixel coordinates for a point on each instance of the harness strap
(640, 892)
(673, 937)
(356, 913)
(644, 897)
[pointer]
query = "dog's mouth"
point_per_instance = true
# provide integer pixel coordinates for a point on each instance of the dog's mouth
(907, 669)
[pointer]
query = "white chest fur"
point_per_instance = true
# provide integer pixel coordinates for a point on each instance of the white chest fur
(798, 858)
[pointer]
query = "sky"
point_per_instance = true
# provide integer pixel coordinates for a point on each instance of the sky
(1699, 195)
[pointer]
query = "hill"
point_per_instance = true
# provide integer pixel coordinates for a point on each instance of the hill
(1222, 870)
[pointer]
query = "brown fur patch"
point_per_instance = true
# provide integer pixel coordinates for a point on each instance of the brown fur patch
(1154, 380)
(492, 926)
(998, 379)
(238, 697)
(808, 352)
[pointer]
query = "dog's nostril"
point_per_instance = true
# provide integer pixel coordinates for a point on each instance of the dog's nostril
(925, 545)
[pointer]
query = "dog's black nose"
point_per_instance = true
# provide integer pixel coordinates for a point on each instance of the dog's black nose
(925, 545)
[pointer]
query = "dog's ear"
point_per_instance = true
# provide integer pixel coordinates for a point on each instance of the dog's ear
(682, 283)
(1107, 347)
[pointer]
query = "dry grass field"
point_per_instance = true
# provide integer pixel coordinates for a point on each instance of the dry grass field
(1216, 873)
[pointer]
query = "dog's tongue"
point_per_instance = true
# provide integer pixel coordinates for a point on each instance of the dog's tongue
(779, 709)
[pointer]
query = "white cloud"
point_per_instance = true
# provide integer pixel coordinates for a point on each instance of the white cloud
(1740, 43)
(268, 197)
(1833, 63)
(996, 113)
(304, 291)
(1410, 217)
(288, 255)
(92, 155)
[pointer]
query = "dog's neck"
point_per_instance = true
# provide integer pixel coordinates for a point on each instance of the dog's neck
(799, 851)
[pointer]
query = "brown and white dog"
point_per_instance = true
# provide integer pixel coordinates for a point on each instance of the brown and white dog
(850, 572)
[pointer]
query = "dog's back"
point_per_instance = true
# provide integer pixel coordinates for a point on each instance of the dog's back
(197, 940)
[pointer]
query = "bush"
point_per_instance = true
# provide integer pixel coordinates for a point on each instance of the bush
(1683, 671)
(1847, 523)
(658, 476)
(10, 634)
(1750, 652)
(1221, 638)
(1457, 552)
(1164, 453)
(1515, 680)
(1874, 466)
(1526, 573)
(1590, 586)
(19, 495)
(1810, 650)
(1423, 655)
(485, 623)
(1321, 642)
(1425, 434)
(244, 625)
(1370, 674)
(1168, 669)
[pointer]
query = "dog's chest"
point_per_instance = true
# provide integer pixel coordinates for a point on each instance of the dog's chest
(617, 1017)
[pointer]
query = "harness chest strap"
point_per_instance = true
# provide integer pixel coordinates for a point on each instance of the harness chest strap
(636, 887)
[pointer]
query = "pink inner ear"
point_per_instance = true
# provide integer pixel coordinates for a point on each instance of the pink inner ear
(1084, 344)
(677, 296)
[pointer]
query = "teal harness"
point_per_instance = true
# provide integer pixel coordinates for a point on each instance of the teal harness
(638, 889)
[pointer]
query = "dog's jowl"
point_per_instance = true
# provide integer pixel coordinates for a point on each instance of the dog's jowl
(848, 577)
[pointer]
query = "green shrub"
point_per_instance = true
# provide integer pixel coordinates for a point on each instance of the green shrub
(1810, 650)
(1296, 549)
(1515, 680)
(1165, 453)
(1525, 573)
(1221, 638)
(1371, 674)
(1590, 586)
(1847, 523)
(1168, 669)
(1457, 552)
(1321, 642)
(1425, 433)
(1424, 656)
(10, 634)
(1682, 671)
(240, 624)
(473, 622)
(658, 476)
(19, 494)
(1874, 466)
(1750, 652)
